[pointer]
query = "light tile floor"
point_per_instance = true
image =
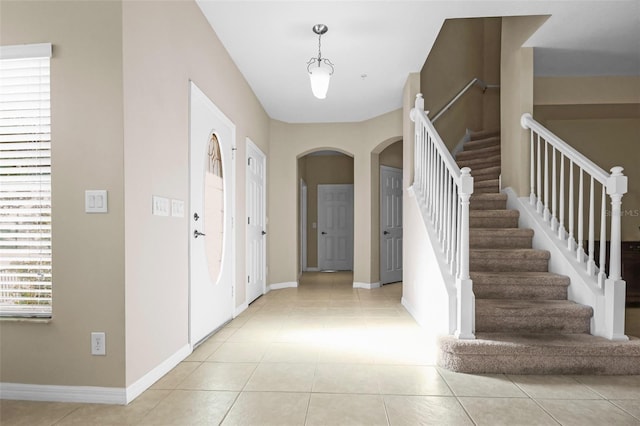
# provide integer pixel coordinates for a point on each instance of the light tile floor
(328, 354)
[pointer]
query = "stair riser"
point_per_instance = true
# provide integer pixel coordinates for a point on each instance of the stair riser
(493, 222)
(486, 189)
(499, 242)
(487, 205)
(527, 324)
(536, 364)
(475, 142)
(522, 292)
(480, 177)
(480, 163)
(481, 264)
(478, 153)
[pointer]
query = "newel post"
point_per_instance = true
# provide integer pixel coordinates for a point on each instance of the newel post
(614, 286)
(466, 303)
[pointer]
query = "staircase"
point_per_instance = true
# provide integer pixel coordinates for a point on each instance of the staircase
(524, 322)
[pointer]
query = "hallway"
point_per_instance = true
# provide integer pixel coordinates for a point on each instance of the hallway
(327, 354)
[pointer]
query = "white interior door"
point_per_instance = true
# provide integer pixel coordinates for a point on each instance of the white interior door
(256, 222)
(390, 224)
(212, 201)
(335, 227)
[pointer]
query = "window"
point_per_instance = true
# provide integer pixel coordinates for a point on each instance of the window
(25, 181)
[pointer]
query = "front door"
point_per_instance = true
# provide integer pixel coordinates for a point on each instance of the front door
(256, 222)
(211, 234)
(390, 225)
(335, 227)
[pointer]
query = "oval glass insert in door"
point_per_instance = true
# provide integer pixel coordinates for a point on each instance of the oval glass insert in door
(214, 208)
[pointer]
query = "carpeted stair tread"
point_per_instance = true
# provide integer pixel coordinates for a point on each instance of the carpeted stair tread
(500, 237)
(513, 353)
(493, 218)
(478, 153)
(484, 134)
(508, 260)
(492, 185)
(532, 316)
(520, 285)
(486, 173)
(541, 279)
(477, 163)
(531, 308)
(488, 201)
(481, 143)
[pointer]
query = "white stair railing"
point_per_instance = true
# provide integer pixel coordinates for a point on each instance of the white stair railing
(443, 190)
(550, 159)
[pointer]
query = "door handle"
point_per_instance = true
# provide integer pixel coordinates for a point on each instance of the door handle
(323, 233)
(264, 232)
(197, 234)
(386, 232)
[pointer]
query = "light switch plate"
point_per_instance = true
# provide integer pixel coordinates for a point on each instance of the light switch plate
(177, 208)
(95, 201)
(160, 206)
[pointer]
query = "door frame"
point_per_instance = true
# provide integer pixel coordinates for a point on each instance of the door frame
(380, 222)
(352, 221)
(228, 252)
(256, 149)
(303, 225)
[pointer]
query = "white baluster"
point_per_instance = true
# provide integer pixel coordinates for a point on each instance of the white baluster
(454, 231)
(447, 222)
(591, 264)
(532, 195)
(554, 217)
(539, 205)
(561, 230)
(603, 240)
(580, 249)
(546, 214)
(571, 242)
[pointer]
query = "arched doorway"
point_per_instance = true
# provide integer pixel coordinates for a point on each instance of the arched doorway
(325, 211)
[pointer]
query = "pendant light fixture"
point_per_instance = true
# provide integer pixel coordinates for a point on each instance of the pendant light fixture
(320, 69)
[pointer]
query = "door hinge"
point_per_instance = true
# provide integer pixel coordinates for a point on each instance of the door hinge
(249, 161)
(248, 278)
(248, 220)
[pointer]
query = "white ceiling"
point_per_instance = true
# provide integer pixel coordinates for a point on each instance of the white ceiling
(271, 42)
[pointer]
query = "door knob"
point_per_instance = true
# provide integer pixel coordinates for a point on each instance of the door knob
(196, 217)
(197, 234)
(386, 232)
(323, 233)
(264, 233)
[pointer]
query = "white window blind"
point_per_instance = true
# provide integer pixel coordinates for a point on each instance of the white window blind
(25, 181)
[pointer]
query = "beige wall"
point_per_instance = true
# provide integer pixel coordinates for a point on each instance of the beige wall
(587, 90)
(120, 122)
(463, 50)
(290, 141)
(87, 153)
(392, 155)
(516, 98)
(166, 44)
(321, 169)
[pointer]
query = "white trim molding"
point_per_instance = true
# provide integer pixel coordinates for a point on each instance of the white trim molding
(312, 269)
(53, 393)
(278, 286)
(92, 394)
(25, 51)
(368, 286)
(240, 309)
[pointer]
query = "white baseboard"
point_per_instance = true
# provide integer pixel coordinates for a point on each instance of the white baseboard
(143, 383)
(53, 393)
(414, 312)
(367, 286)
(92, 394)
(278, 286)
(312, 269)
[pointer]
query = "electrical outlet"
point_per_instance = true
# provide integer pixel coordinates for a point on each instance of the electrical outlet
(98, 343)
